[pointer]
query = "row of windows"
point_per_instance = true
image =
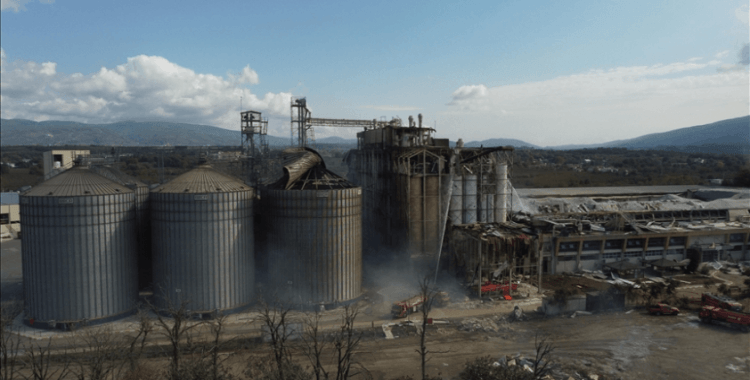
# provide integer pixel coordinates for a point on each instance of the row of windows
(596, 245)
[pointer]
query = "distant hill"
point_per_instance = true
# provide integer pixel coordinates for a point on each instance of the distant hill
(731, 136)
(726, 136)
(499, 142)
(125, 133)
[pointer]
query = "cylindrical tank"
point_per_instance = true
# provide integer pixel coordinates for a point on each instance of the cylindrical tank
(456, 206)
(142, 219)
(416, 215)
(501, 197)
(203, 242)
(486, 199)
(432, 215)
(470, 198)
(78, 250)
(314, 244)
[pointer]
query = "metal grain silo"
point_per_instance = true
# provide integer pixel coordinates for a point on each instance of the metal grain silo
(78, 250)
(203, 241)
(470, 198)
(142, 219)
(313, 222)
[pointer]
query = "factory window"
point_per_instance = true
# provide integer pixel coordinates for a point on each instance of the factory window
(635, 243)
(566, 258)
(612, 255)
(736, 238)
(675, 252)
(593, 245)
(677, 240)
(656, 242)
(737, 247)
(569, 246)
(633, 254)
(657, 252)
(4, 218)
(613, 244)
(589, 257)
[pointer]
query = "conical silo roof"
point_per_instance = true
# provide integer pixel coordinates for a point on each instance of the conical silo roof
(78, 181)
(202, 179)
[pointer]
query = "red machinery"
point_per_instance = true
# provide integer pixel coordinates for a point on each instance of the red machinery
(733, 318)
(403, 308)
(663, 309)
(708, 299)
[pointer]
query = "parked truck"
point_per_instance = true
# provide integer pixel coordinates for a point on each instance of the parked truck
(411, 305)
(709, 299)
(731, 318)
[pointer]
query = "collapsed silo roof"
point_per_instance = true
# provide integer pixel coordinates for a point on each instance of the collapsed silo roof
(78, 181)
(202, 179)
(304, 168)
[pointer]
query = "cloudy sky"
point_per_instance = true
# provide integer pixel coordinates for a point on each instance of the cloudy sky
(549, 73)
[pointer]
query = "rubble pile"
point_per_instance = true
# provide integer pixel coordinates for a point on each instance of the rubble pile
(490, 324)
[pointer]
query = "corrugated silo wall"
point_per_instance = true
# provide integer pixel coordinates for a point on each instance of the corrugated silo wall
(203, 249)
(314, 244)
(79, 257)
(143, 227)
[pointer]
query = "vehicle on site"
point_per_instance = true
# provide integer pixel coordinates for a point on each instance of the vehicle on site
(731, 318)
(411, 305)
(709, 299)
(493, 288)
(663, 309)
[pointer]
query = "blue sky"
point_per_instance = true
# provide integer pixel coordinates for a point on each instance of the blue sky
(548, 73)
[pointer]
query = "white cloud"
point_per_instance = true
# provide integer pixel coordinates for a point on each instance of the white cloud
(600, 105)
(722, 54)
(19, 5)
(143, 88)
(391, 108)
(743, 13)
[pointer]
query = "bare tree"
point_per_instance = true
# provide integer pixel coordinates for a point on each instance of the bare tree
(137, 343)
(543, 350)
(10, 342)
(345, 341)
(314, 344)
(208, 362)
(39, 361)
(276, 320)
(176, 329)
(429, 292)
(102, 353)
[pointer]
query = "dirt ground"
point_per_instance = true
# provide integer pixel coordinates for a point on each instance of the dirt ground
(610, 345)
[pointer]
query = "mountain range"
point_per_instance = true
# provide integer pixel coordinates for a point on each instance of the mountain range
(726, 136)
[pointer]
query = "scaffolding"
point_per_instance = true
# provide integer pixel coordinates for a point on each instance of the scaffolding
(254, 130)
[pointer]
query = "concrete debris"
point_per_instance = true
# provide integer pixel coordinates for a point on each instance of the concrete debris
(734, 368)
(516, 314)
(387, 330)
(593, 377)
(580, 312)
(495, 323)
(511, 362)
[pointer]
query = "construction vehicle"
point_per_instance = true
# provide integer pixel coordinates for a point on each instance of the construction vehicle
(492, 288)
(411, 305)
(708, 299)
(663, 309)
(730, 318)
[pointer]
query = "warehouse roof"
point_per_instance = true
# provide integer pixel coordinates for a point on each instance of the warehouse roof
(607, 191)
(9, 198)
